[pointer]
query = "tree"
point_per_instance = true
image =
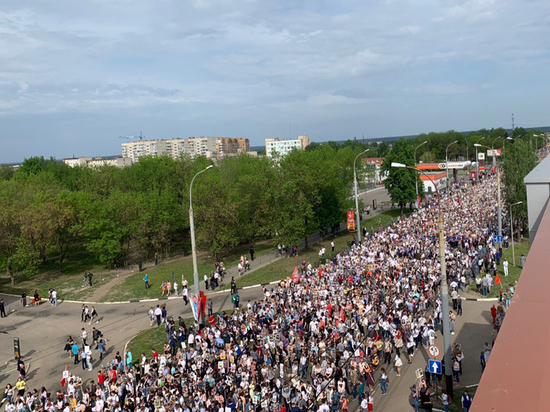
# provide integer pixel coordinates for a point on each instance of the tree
(400, 182)
(517, 162)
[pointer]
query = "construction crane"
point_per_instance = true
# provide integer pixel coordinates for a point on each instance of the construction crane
(141, 136)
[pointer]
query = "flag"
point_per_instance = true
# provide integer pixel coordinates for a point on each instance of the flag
(64, 378)
(295, 275)
(497, 279)
(417, 203)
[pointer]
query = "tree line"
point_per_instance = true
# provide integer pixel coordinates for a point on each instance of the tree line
(48, 209)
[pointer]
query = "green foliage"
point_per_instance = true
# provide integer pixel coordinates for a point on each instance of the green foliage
(400, 182)
(518, 160)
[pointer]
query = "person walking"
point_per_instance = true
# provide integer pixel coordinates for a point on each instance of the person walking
(146, 280)
(384, 381)
(252, 252)
(505, 266)
(398, 364)
(459, 306)
(158, 314)
(444, 398)
(466, 401)
(54, 297)
(185, 295)
(24, 299)
(2, 308)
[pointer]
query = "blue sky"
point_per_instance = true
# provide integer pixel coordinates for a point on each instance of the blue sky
(74, 75)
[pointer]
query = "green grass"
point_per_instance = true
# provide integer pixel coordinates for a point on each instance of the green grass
(283, 268)
(514, 272)
(68, 286)
(133, 286)
(154, 338)
(455, 405)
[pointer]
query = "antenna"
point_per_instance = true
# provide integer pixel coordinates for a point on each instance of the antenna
(513, 122)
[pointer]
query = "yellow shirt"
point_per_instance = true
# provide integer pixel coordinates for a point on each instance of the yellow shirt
(20, 385)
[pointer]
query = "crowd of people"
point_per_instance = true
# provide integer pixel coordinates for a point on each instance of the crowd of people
(316, 343)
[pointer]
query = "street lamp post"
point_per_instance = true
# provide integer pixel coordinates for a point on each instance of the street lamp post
(357, 215)
(444, 288)
(477, 160)
(512, 231)
(499, 213)
(447, 162)
(193, 248)
(416, 174)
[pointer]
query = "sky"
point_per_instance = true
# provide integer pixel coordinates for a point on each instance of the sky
(75, 75)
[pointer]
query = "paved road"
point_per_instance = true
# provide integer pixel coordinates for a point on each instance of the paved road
(43, 331)
(473, 329)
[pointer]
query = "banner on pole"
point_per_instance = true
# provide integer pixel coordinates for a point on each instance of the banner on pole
(351, 220)
(195, 306)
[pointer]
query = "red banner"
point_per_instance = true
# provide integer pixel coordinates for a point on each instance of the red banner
(351, 220)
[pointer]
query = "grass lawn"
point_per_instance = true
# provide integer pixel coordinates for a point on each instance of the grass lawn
(67, 281)
(514, 272)
(283, 268)
(133, 286)
(154, 338)
(456, 405)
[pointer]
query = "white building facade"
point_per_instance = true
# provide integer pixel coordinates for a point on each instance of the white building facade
(275, 147)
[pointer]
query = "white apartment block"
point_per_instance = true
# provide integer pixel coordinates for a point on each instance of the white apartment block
(192, 147)
(283, 147)
(98, 161)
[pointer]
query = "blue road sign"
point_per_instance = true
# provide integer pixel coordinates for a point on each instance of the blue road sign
(435, 366)
(497, 238)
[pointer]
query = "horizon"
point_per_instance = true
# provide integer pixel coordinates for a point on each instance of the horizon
(75, 76)
(262, 147)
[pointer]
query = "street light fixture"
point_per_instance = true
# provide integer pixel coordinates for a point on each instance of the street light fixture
(193, 248)
(512, 231)
(499, 215)
(447, 162)
(444, 287)
(416, 175)
(357, 215)
(477, 160)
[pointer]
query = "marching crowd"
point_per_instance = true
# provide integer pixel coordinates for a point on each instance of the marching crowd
(314, 343)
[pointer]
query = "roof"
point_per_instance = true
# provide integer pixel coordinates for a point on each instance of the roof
(540, 174)
(516, 377)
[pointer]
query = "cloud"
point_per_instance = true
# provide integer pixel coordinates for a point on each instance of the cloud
(248, 66)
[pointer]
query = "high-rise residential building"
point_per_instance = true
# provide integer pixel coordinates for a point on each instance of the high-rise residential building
(98, 161)
(192, 147)
(283, 147)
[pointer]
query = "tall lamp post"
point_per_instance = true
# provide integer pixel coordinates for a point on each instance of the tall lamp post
(512, 231)
(444, 288)
(193, 248)
(416, 174)
(477, 160)
(447, 162)
(357, 215)
(499, 213)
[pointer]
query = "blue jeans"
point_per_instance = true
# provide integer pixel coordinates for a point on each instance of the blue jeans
(484, 290)
(384, 385)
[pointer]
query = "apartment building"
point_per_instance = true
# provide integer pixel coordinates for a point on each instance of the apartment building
(98, 161)
(283, 147)
(192, 146)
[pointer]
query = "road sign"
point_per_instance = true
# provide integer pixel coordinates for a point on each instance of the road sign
(435, 366)
(497, 238)
(434, 351)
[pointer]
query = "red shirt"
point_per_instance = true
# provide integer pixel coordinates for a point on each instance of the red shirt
(101, 378)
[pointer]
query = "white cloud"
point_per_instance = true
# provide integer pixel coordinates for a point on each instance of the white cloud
(206, 61)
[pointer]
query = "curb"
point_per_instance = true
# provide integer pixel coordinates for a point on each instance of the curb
(162, 298)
